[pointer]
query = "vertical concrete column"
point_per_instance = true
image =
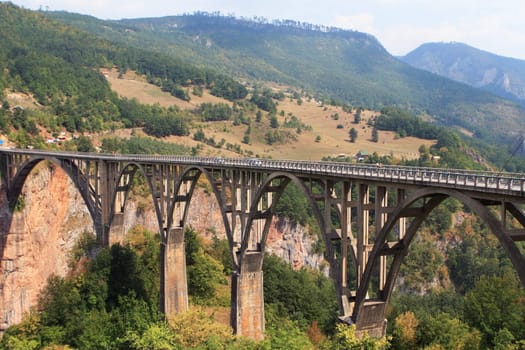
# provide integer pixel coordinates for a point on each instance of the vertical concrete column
(362, 230)
(381, 216)
(116, 231)
(106, 173)
(247, 314)
(401, 194)
(174, 286)
(345, 307)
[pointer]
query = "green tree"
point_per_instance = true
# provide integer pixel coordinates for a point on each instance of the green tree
(166, 125)
(84, 144)
(447, 332)
(474, 256)
(204, 271)
(375, 135)
(246, 137)
(197, 90)
(215, 112)
(194, 329)
(302, 296)
(274, 122)
(496, 304)
(294, 205)
(158, 336)
(353, 135)
(357, 116)
(283, 333)
(199, 135)
(345, 338)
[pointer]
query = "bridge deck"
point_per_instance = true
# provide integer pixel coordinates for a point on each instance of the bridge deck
(485, 184)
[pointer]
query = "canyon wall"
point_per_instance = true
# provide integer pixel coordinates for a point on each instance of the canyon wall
(37, 238)
(36, 244)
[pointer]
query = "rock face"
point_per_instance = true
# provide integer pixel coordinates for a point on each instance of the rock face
(36, 245)
(35, 240)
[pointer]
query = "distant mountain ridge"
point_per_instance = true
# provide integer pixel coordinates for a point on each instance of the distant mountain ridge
(500, 75)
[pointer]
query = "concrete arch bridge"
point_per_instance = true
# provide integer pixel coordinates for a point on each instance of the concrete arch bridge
(368, 216)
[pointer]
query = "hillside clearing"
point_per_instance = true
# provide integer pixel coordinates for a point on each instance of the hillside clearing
(331, 140)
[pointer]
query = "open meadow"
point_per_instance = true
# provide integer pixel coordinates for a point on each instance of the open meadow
(326, 133)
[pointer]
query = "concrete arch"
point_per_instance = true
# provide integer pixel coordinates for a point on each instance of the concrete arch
(435, 196)
(271, 210)
(119, 177)
(48, 238)
(178, 183)
(135, 166)
(200, 171)
(317, 213)
(71, 170)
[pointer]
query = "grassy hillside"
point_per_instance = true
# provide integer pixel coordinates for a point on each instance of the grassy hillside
(349, 66)
(321, 119)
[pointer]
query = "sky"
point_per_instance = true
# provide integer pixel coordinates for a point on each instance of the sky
(497, 26)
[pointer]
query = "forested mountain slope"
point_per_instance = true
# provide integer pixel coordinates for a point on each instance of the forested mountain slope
(59, 66)
(503, 76)
(345, 65)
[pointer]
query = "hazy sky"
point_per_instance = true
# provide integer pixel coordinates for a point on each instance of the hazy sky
(497, 26)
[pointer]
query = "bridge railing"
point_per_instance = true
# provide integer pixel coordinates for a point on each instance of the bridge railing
(513, 183)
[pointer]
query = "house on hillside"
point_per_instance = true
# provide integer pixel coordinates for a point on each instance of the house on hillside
(361, 156)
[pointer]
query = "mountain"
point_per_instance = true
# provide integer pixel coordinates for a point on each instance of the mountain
(347, 66)
(500, 75)
(59, 67)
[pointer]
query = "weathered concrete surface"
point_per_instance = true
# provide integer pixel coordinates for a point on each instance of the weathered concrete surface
(371, 319)
(174, 284)
(248, 298)
(116, 232)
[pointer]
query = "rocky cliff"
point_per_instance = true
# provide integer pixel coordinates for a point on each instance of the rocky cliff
(50, 218)
(37, 238)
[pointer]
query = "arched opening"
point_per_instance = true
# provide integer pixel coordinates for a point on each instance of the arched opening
(132, 204)
(201, 212)
(328, 203)
(423, 204)
(44, 226)
(301, 293)
(265, 204)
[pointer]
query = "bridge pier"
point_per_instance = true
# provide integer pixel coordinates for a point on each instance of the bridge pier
(247, 314)
(174, 285)
(371, 319)
(116, 231)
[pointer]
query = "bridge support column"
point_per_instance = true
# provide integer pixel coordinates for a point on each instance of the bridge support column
(247, 314)
(116, 231)
(174, 286)
(371, 319)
